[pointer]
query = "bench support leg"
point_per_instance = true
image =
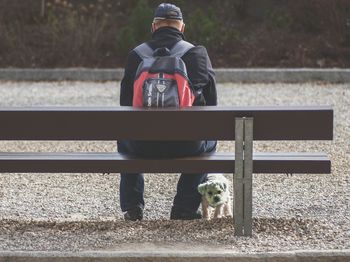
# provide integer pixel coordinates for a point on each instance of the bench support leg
(243, 176)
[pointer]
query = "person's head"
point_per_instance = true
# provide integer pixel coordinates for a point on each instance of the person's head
(168, 15)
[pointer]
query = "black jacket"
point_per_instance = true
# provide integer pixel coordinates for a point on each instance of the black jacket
(198, 65)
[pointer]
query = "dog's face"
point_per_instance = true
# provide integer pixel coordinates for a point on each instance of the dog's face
(214, 192)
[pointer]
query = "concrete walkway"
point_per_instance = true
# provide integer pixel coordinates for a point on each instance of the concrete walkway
(174, 255)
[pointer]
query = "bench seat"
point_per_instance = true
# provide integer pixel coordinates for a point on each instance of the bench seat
(48, 162)
(240, 124)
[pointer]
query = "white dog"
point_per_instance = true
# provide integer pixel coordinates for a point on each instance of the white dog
(215, 193)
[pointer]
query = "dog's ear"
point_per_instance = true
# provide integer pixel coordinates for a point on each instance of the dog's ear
(202, 188)
(223, 186)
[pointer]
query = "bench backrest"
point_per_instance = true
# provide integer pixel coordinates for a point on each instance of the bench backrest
(196, 123)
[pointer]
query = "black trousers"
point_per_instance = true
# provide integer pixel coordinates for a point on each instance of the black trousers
(132, 185)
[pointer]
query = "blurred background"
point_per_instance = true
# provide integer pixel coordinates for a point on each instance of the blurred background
(237, 33)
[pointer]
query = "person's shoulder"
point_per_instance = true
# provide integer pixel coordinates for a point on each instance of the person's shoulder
(197, 61)
(133, 55)
(132, 62)
(198, 50)
(199, 47)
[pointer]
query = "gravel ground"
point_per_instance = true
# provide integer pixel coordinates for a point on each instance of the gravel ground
(74, 212)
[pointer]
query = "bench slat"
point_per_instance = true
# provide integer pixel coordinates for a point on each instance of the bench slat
(316, 163)
(196, 123)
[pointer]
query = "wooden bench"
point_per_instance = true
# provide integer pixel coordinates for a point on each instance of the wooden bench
(242, 124)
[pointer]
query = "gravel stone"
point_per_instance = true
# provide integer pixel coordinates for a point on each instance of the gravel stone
(76, 212)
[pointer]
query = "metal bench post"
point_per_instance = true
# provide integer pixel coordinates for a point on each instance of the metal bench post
(243, 176)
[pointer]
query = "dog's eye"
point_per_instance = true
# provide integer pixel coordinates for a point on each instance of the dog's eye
(219, 192)
(210, 193)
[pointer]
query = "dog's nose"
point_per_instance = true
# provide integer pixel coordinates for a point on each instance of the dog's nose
(216, 199)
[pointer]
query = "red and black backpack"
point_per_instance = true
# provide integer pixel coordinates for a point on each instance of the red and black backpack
(161, 78)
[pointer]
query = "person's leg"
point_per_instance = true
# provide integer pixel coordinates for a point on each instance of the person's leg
(210, 146)
(187, 198)
(131, 191)
(131, 196)
(131, 188)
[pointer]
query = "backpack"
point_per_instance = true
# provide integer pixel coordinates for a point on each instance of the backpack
(161, 78)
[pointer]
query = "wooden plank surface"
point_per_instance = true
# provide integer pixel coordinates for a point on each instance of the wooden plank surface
(317, 163)
(196, 123)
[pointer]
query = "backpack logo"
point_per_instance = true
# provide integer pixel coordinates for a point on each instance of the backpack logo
(161, 78)
(161, 88)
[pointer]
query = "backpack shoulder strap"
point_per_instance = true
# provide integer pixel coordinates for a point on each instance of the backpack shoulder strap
(144, 51)
(180, 48)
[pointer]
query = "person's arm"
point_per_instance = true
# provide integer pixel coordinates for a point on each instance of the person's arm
(201, 74)
(127, 84)
(210, 92)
